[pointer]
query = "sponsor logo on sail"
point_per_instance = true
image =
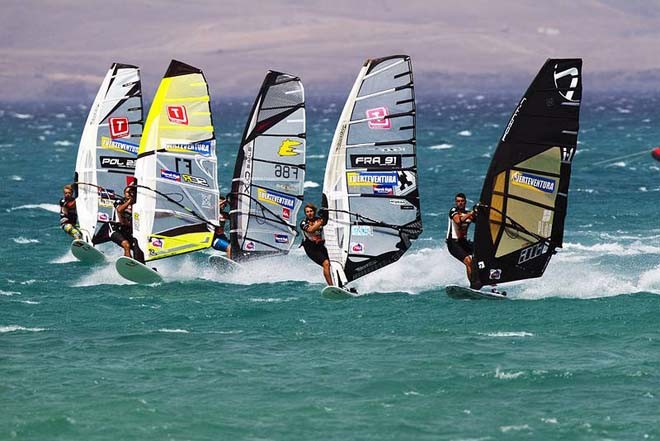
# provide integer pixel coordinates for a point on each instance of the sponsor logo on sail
(286, 213)
(357, 248)
(495, 274)
(204, 148)
(118, 127)
(117, 162)
(249, 246)
(118, 145)
(156, 242)
(275, 198)
(130, 180)
(532, 252)
(376, 161)
(106, 203)
(177, 114)
(513, 118)
(281, 238)
(103, 217)
(378, 118)
(567, 91)
(533, 182)
(195, 180)
(372, 179)
(361, 230)
(171, 175)
(288, 148)
(386, 190)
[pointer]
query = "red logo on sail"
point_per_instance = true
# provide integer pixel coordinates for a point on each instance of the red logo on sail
(286, 213)
(177, 114)
(357, 248)
(118, 127)
(377, 118)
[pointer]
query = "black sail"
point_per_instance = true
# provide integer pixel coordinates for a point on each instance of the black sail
(524, 197)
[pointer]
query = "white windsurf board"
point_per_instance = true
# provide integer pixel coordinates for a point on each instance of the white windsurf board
(131, 269)
(224, 263)
(86, 253)
(335, 292)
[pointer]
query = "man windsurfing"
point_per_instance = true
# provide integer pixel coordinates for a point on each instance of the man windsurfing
(458, 244)
(313, 242)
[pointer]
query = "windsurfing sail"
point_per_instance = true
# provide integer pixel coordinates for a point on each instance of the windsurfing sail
(176, 170)
(108, 147)
(525, 192)
(370, 184)
(267, 188)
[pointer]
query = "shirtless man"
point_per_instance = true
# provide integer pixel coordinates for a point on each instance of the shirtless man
(457, 242)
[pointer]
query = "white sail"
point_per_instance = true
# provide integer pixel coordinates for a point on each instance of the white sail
(108, 147)
(370, 184)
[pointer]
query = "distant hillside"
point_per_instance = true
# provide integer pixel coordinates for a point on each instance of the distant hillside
(63, 51)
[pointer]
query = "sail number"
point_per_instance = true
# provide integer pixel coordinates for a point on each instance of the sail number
(186, 162)
(286, 171)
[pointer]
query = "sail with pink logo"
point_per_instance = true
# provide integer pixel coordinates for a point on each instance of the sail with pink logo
(370, 184)
(108, 148)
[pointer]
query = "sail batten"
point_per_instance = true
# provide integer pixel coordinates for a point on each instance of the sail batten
(524, 196)
(370, 184)
(268, 183)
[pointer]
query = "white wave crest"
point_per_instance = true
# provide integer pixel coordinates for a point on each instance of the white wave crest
(53, 208)
(441, 147)
(508, 334)
(465, 133)
(22, 115)
(174, 331)
(23, 240)
(14, 328)
(507, 375)
(8, 293)
(63, 143)
(311, 184)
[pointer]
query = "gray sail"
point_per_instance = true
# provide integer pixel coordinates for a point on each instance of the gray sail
(370, 185)
(267, 188)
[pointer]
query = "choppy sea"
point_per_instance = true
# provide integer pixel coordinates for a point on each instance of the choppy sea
(261, 355)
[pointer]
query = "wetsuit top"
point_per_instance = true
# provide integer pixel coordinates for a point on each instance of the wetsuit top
(455, 230)
(125, 222)
(71, 215)
(316, 236)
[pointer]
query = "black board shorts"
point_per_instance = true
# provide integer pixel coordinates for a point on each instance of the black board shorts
(460, 248)
(316, 251)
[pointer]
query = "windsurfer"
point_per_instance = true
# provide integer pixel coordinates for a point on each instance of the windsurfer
(457, 242)
(220, 241)
(68, 213)
(122, 229)
(313, 242)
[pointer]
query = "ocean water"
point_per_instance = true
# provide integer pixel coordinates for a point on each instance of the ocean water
(260, 355)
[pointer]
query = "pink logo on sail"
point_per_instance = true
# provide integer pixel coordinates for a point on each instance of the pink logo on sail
(377, 118)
